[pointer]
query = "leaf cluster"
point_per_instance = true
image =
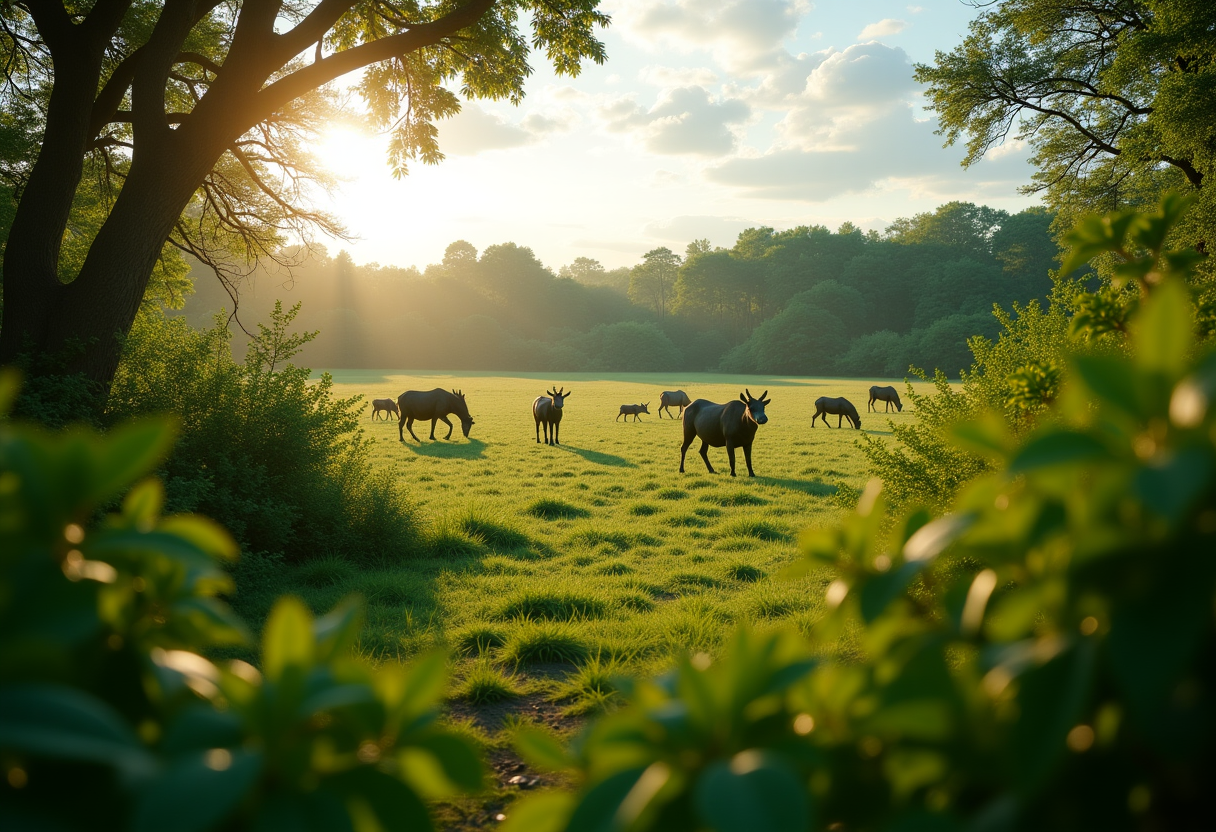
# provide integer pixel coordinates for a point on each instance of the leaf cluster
(104, 683)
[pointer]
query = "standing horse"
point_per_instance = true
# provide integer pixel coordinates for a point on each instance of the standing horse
(842, 407)
(633, 410)
(547, 410)
(386, 405)
(885, 394)
(434, 405)
(672, 398)
(733, 424)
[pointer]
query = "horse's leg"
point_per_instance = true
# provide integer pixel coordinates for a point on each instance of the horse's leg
(730, 454)
(400, 428)
(537, 430)
(444, 419)
(839, 419)
(684, 449)
(705, 456)
(618, 418)
(409, 425)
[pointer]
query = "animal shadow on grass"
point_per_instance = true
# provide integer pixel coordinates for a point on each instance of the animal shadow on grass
(600, 458)
(816, 488)
(472, 449)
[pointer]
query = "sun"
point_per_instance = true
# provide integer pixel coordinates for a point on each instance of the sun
(351, 153)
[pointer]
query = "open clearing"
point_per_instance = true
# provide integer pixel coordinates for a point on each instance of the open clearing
(546, 571)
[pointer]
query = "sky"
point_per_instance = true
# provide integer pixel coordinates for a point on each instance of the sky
(709, 117)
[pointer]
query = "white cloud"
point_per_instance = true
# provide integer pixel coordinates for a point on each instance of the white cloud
(915, 9)
(720, 231)
(684, 120)
(667, 76)
(666, 179)
(884, 27)
(473, 131)
(741, 33)
(542, 124)
(864, 75)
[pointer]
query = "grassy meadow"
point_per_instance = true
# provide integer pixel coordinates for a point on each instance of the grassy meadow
(546, 571)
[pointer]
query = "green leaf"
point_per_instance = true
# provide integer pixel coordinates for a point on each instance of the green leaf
(1058, 447)
(1164, 329)
(1050, 699)
(396, 806)
(541, 749)
(879, 591)
(204, 533)
(544, 812)
(287, 640)
(127, 452)
(337, 631)
(199, 728)
(754, 792)
(458, 757)
(597, 808)
(196, 793)
(1111, 379)
(1171, 486)
(143, 503)
(67, 724)
(425, 683)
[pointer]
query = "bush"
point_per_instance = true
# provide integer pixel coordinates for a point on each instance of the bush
(262, 448)
(103, 621)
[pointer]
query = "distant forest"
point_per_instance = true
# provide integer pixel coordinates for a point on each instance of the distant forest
(807, 301)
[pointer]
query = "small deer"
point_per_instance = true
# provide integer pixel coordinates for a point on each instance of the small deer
(633, 410)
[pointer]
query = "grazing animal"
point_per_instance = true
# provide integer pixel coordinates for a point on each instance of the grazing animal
(887, 395)
(633, 410)
(434, 405)
(733, 424)
(547, 411)
(842, 407)
(386, 405)
(672, 398)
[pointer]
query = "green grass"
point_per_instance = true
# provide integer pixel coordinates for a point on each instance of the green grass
(548, 571)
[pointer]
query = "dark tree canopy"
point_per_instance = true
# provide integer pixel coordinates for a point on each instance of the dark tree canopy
(129, 125)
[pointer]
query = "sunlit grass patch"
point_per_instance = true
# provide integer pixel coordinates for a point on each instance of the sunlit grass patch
(672, 494)
(549, 509)
(446, 539)
(544, 642)
(691, 581)
(613, 567)
(707, 511)
(686, 521)
(736, 498)
(643, 510)
(758, 529)
(492, 532)
(744, 572)
(476, 640)
(484, 683)
(636, 601)
(552, 606)
(592, 538)
(592, 686)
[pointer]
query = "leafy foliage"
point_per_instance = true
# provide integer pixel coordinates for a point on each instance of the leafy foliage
(1040, 656)
(103, 681)
(262, 448)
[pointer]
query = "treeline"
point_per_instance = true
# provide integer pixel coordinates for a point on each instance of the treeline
(807, 301)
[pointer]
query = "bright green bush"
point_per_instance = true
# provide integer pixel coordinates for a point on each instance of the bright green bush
(262, 448)
(111, 717)
(1040, 657)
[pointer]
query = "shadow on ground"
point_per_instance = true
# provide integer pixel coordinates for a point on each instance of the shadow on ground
(816, 488)
(599, 458)
(472, 449)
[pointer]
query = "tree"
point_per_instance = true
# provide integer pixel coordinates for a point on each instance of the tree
(194, 116)
(584, 270)
(962, 225)
(652, 283)
(1114, 96)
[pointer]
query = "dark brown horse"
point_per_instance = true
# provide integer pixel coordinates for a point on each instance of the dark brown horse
(887, 395)
(386, 405)
(842, 407)
(733, 424)
(672, 398)
(633, 410)
(547, 410)
(434, 405)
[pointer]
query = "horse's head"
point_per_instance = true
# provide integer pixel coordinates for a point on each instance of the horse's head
(899, 406)
(645, 408)
(559, 398)
(755, 406)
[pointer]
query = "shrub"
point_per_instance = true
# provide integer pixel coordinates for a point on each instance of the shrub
(103, 684)
(262, 448)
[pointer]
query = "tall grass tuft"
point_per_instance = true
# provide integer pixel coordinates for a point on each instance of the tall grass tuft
(477, 640)
(329, 570)
(544, 642)
(744, 572)
(492, 531)
(548, 509)
(552, 606)
(485, 684)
